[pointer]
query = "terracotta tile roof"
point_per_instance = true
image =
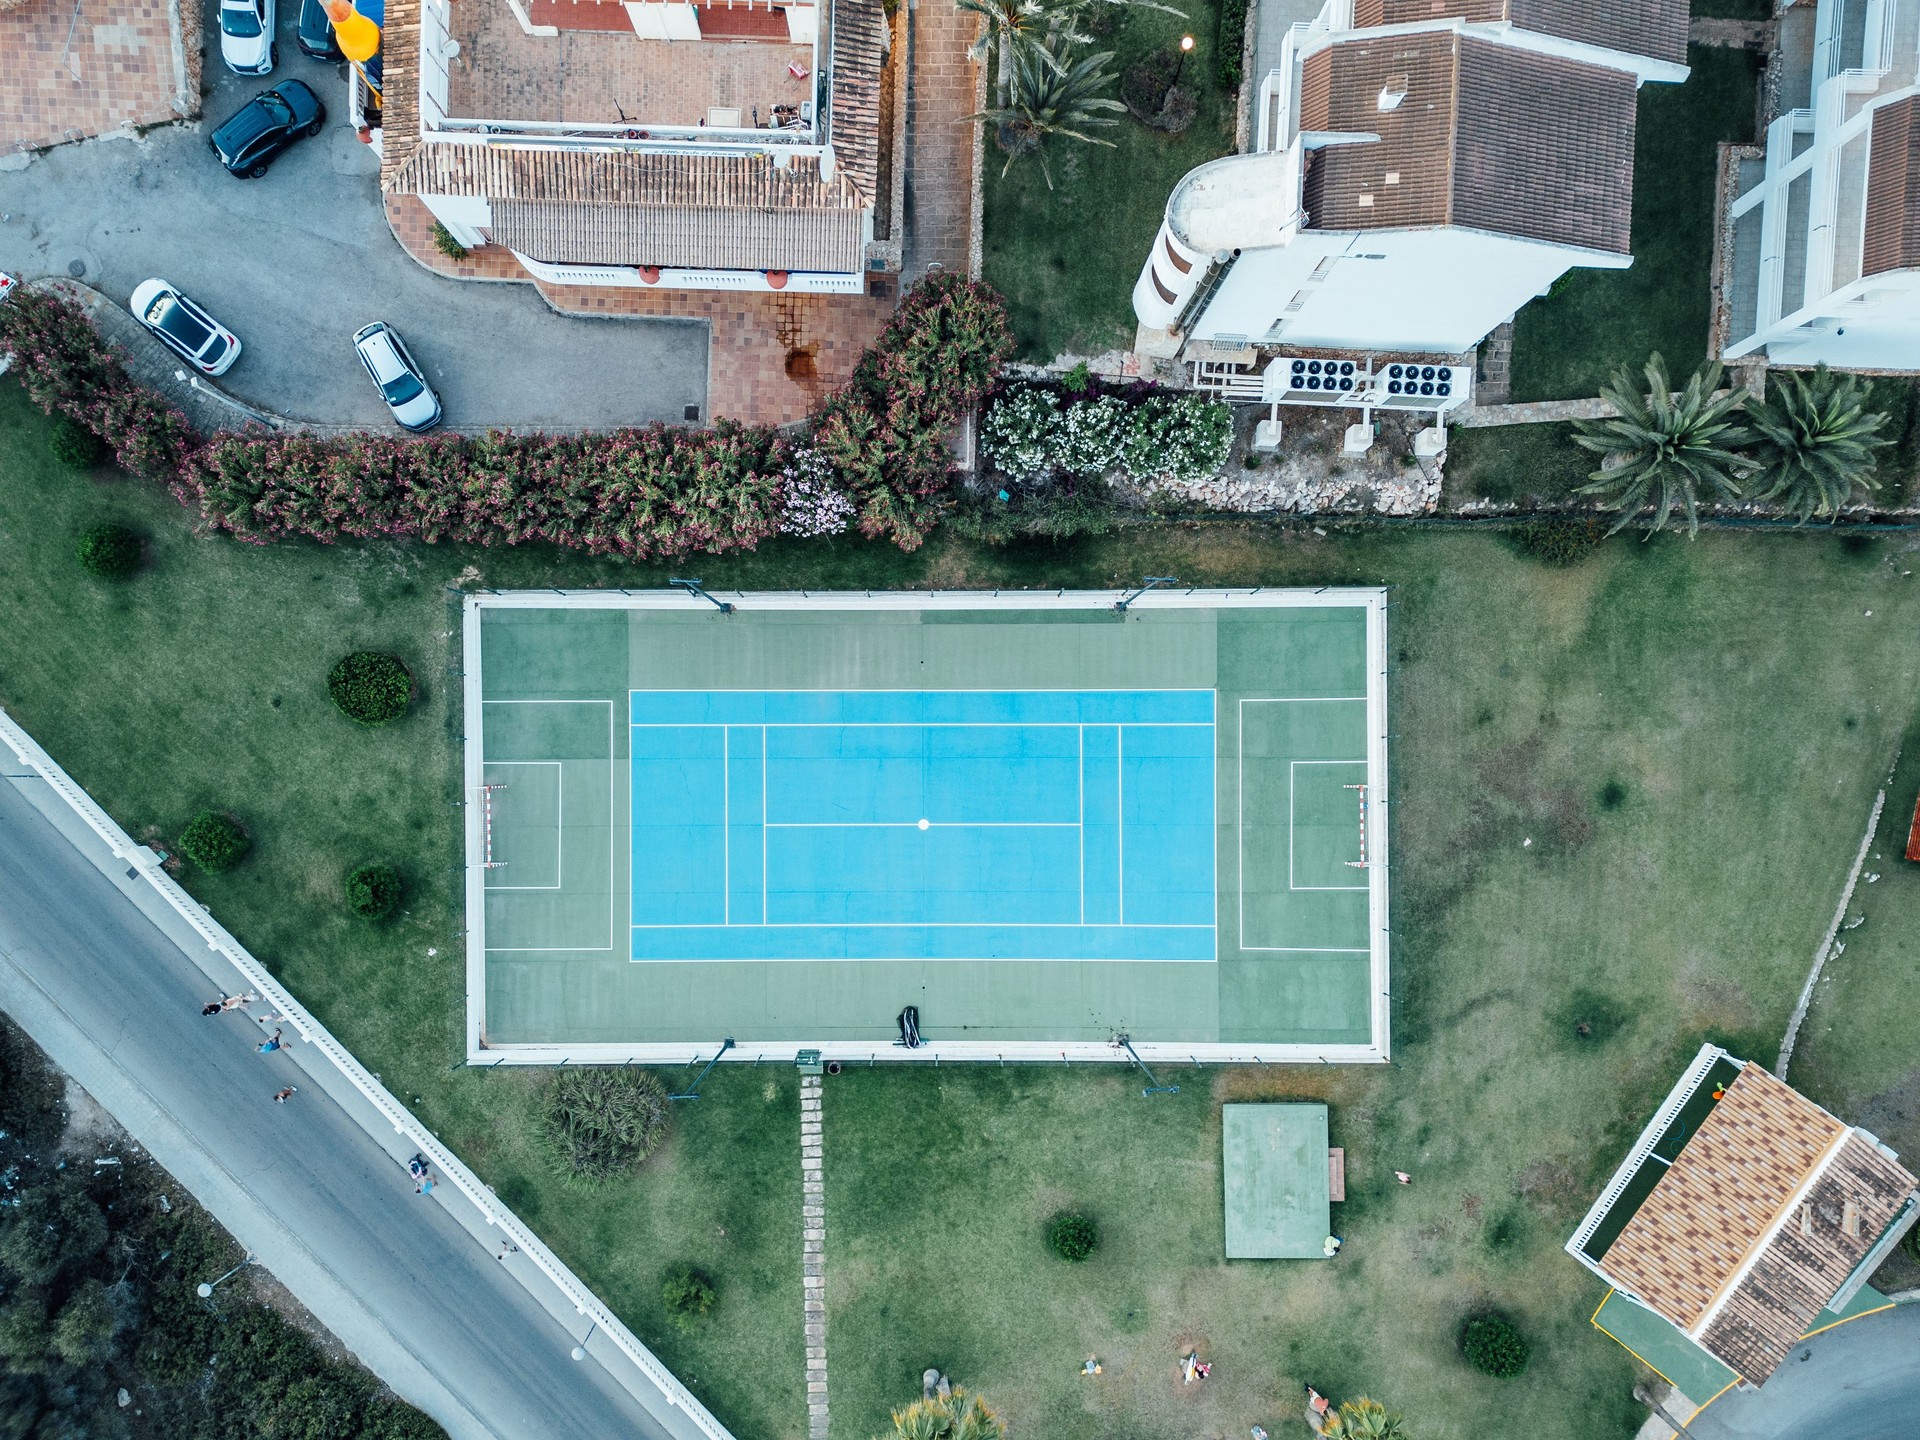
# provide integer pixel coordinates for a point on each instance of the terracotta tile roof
(1654, 28)
(853, 118)
(1893, 189)
(677, 235)
(400, 82)
(619, 177)
(1487, 137)
(1797, 1274)
(1725, 1189)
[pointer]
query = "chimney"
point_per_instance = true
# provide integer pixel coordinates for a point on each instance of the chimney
(1393, 92)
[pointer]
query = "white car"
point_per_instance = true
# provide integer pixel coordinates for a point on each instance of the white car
(246, 36)
(187, 330)
(401, 381)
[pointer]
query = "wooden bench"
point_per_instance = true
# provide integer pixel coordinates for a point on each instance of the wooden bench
(1336, 1173)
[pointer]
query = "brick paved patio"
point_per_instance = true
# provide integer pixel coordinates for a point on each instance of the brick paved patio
(69, 70)
(771, 358)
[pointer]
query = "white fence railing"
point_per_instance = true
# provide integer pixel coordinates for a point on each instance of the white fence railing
(261, 980)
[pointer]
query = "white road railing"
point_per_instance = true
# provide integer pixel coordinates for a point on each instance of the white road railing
(261, 980)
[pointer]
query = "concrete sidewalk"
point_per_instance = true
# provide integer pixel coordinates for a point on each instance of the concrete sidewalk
(109, 980)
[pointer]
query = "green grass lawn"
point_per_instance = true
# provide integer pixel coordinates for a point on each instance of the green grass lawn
(1566, 344)
(1627, 793)
(1516, 464)
(1066, 258)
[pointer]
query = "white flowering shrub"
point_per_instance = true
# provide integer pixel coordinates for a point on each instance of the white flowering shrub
(1019, 434)
(1089, 437)
(1183, 438)
(810, 503)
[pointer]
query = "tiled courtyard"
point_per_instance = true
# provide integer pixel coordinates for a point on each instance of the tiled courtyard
(503, 73)
(68, 71)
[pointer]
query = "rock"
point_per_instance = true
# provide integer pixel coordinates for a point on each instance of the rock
(124, 1399)
(930, 1382)
(945, 1390)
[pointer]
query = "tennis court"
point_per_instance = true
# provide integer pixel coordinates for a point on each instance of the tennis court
(1041, 822)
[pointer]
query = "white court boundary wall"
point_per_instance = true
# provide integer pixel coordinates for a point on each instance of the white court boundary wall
(481, 1051)
(450, 1166)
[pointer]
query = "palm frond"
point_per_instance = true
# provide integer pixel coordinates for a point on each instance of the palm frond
(1661, 451)
(1816, 443)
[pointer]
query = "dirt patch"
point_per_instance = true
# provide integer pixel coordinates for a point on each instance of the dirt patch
(90, 1131)
(1552, 1185)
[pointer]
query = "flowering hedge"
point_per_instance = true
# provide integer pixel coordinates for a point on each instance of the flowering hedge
(1031, 434)
(68, 371)
(878, 457)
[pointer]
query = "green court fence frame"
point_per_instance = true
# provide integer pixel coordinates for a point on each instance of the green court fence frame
(485, 1051)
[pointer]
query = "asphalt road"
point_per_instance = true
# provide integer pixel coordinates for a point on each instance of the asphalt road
(295, 262)
(302, 1185)
(1861, 1381)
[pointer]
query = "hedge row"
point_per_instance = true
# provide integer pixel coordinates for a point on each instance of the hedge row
(641, 494)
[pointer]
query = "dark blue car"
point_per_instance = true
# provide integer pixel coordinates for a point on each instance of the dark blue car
(315, 32)
(267, 124)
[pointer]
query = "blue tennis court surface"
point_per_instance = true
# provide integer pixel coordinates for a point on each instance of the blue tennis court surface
(981, 824)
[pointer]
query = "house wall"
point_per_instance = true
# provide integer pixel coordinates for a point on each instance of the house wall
(1439, 290)
(465, 216)
(1873, 325)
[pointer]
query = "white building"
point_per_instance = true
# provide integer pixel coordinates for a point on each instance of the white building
(1822, 244)
(1413, 181)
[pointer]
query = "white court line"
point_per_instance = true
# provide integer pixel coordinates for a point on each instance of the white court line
(920, 724)
(1291, 766)
(915, 824)
(613, 846)
(559, 825)
(1240, 828)
(925, 925)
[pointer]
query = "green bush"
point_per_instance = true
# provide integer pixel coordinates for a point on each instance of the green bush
(444, 242)
(1063, 510)
(1233, 40)
(370, 686)
(1028, 435)
(110, 551)
(602, 1122)
(1558, 541)
(74, 444)
(1072, 1236)
(1494, 1345)
(1912, 1242)
(688, 1295)
(213, 841)
(373, 891)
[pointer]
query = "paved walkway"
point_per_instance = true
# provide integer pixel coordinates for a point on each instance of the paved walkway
(109, 980)
(771, 358)
(813, 1255)
(943, 186)
(1732, 34)
(69, 70)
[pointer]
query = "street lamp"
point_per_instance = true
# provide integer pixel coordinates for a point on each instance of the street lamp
(205, 1287)
(692, 587)
(579, 1352)
(1186, 49)
(1151, 582)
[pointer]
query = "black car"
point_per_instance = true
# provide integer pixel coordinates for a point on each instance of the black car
(316, 32)
(267, 124)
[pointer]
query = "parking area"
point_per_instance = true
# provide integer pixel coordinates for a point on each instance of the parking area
(298, 260)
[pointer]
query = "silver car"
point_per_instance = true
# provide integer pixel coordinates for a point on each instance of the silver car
(398, 376)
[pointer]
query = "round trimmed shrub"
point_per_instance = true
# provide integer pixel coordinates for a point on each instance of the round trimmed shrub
(110, 551)
(1072, 1236)
(213, 841)
(373, 891)
(688, 1295)
(370, 686)
(1494, 1345)
(74, 444)
(604, 1121)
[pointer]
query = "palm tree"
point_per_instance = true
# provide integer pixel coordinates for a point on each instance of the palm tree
(1052, 98)
(1664, 451)
(956, 1416)
(1363, 1419)
(1007, 28)
(1817, 443)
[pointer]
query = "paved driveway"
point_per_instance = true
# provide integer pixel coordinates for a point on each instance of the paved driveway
(296, 262)
(1861, 1381)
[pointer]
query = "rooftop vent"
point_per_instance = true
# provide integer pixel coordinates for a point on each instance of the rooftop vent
(1393, 92)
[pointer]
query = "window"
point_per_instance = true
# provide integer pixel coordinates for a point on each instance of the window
(239, 21)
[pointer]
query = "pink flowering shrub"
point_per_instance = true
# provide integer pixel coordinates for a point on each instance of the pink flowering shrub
(68, 370)
(878, 456)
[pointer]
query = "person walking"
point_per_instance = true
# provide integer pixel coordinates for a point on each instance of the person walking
(507, 1247)
(281, 1096)
(267, 1047)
